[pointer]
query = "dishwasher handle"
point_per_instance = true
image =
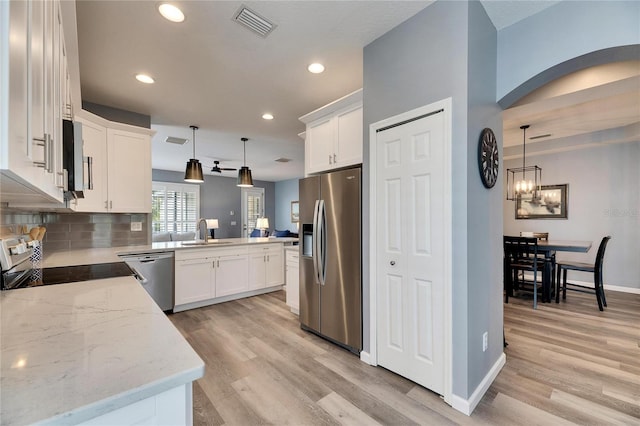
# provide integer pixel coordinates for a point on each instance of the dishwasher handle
(141, 279)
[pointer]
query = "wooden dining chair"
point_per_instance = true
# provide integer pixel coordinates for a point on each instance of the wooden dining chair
(521, 254)
(549, 259)
(595, 268)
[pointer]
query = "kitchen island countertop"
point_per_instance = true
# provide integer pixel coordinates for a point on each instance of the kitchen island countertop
(107, 255)
(75, 351)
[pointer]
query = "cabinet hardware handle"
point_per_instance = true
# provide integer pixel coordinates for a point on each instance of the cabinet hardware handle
(43, 143)
(218, 264)
(65, 180)
(111, 204)
(393, 263)
(267, 258)
(49, 153)
(329, 158)
(89, 161)
(214, 264)
(334, 158)
(106, 204)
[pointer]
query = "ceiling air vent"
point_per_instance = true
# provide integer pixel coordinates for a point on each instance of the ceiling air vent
(254, 21)
(177, 141)
(282, 160)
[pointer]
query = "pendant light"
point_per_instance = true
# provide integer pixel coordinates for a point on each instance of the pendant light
(194, 168)
(531, 176)
(244, 174)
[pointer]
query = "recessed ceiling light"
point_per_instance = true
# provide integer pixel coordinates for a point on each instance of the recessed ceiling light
(316, 68)
(267, 116)
(143, 78)
(171, 12)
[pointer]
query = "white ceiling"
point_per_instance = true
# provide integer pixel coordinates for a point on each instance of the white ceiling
(214, 73)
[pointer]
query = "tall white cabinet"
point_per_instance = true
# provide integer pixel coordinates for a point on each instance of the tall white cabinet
(333, 137)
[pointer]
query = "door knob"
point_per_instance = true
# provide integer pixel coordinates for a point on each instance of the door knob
(393, 263)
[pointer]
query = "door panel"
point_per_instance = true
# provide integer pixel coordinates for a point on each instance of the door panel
(309, 192)
(341, 295)
(410, 178)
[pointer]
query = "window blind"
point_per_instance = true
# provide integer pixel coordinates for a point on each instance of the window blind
(175, 207)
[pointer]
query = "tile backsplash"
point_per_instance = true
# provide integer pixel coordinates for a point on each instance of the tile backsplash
(78, 230)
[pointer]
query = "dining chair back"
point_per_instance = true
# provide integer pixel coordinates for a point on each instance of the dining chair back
(520, 254)
(595, 268)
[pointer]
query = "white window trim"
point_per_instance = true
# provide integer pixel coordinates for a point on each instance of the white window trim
(178, 187)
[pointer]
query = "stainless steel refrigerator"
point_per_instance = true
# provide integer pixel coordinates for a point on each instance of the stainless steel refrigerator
(330, 257)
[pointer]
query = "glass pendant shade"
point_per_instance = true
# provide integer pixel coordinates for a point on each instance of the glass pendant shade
(244, 177)
(244, 174)
(524, 180)
(193, 172)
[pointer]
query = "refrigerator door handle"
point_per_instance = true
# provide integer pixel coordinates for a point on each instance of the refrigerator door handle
(322, 245)
(314, 242)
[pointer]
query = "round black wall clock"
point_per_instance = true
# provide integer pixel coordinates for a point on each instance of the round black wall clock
(488, 158)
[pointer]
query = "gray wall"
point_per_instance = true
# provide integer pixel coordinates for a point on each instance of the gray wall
(603, 199)
(484, 206)
(118, 115)
(219, 196)
(560, 33)
(423, 60)
(286, 192)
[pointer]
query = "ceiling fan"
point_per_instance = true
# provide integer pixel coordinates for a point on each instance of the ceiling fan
(217, 169)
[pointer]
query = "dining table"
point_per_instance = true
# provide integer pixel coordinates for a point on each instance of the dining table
(548, 249)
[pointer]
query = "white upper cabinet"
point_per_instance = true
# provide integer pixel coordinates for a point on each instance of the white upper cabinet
(31, 39)
(117, 167)
(333, 136)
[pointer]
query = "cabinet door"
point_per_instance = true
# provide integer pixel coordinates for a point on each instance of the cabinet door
(293, 281)
(257, 269)
(349, 137)
(194, 280)
(231, 275)
(275, 267)
(319, 146)
(129, 169)
(94, 147)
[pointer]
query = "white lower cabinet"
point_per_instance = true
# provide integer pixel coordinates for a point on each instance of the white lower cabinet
(205, 276)
(231, 274)
(194, 279)
(172, 407)
(266, 266)
(293, 280)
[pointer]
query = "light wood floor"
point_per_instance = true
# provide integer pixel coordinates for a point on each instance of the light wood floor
(566, 364)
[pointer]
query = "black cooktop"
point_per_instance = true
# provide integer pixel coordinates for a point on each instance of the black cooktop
(69, 274)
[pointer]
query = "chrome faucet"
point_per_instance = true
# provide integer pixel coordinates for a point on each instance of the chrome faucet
(203, 233)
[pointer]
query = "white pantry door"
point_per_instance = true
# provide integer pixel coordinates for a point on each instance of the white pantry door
(410, 250)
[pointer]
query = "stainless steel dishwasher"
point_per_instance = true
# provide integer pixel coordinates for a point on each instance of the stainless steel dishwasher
(155, 272)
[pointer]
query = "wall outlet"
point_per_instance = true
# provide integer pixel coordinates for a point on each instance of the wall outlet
(136, 226)
(233, 223)
(485, 341)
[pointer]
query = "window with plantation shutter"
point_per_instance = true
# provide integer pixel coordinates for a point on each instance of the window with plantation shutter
(175, 207)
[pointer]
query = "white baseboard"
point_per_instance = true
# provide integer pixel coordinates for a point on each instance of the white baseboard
(466, 406)
(619, 288)
(365, 357)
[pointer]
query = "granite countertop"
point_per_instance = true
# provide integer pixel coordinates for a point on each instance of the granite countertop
(108, 255)
(75, 351)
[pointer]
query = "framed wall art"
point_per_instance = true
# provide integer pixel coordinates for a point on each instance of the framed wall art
(295, 211)
(549, 203)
